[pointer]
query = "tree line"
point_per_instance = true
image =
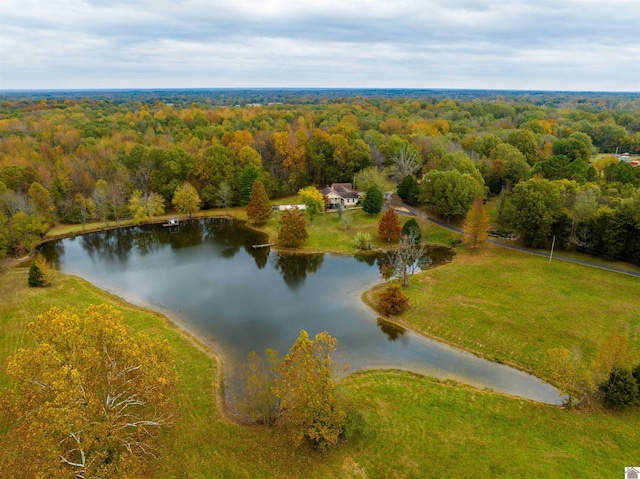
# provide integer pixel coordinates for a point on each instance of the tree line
(77, 159)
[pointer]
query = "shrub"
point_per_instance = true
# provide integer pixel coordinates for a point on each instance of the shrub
(636, 375)
(621, 389)
(392, 301)
(362, 240)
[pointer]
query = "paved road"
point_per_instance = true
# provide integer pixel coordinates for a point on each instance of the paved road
(396, 203)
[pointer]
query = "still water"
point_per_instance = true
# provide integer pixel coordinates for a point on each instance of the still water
(210, 279)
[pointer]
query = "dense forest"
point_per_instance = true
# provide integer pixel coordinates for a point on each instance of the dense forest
(562, 163)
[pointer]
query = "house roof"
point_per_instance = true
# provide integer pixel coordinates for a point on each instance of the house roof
(342, 186)
(343, 190)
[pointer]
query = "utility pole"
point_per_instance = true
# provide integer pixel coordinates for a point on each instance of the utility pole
(553, 243)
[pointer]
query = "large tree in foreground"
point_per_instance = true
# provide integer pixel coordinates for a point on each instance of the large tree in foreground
(476, 225)
(258, 209)
(90, 397)
(310, 405)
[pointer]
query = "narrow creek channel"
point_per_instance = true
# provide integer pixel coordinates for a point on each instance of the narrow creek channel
(209, 278)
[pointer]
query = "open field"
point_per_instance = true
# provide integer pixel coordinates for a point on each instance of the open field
(409, 427)
(512, 307)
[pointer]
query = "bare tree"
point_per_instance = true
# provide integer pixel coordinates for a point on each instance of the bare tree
(223, 196)
(117, 196)
(406, 162)
(408, 258)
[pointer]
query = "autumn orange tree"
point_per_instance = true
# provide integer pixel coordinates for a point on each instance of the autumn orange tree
(293, 228)
(392, 300)
(310, 406)
(89, 398)
(258, 209)
(476, 225)
(389, 225)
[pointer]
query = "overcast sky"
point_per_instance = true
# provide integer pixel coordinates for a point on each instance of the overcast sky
(493, 44)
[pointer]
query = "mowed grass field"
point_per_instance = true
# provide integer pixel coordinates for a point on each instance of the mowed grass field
(512, 307)
(327, 233)
(408, 426)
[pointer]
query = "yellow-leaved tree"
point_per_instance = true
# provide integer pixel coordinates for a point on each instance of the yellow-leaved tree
(89, 398)
(313, 200)
(310, 406)
(186, 199)
(476, 226)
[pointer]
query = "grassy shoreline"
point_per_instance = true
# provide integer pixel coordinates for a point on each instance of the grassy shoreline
(410, 426)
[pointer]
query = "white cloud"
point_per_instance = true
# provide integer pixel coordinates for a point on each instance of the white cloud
(464, 44)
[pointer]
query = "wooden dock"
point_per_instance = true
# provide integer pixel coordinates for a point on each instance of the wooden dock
(260, 246)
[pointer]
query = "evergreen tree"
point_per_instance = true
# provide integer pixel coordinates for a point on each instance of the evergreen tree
(408, 190)
(620, 389)
(250, 174)
(411, 229)
(389, 226)
(36, 276)
(293, 228)
(373, 201)
(259, 209)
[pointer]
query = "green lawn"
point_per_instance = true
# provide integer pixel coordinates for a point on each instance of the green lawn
(328, 233)
(410, 426)
(512, 306)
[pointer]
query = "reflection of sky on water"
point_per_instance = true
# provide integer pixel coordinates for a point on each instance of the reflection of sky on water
(210, 277)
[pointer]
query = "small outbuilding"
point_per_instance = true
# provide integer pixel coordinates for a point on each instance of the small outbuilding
(172, 222)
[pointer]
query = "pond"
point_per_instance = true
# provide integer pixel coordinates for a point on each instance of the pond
(209, 279)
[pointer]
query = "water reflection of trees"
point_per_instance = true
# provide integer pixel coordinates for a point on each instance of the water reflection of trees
(52, 251)
(230, 236)
(294, 267)
(393, 331)
(227, 236)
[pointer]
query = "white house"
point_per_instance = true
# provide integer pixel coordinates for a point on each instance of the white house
(341, 194)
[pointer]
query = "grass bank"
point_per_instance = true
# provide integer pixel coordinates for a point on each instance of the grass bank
(512, 307)
(409, 426)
